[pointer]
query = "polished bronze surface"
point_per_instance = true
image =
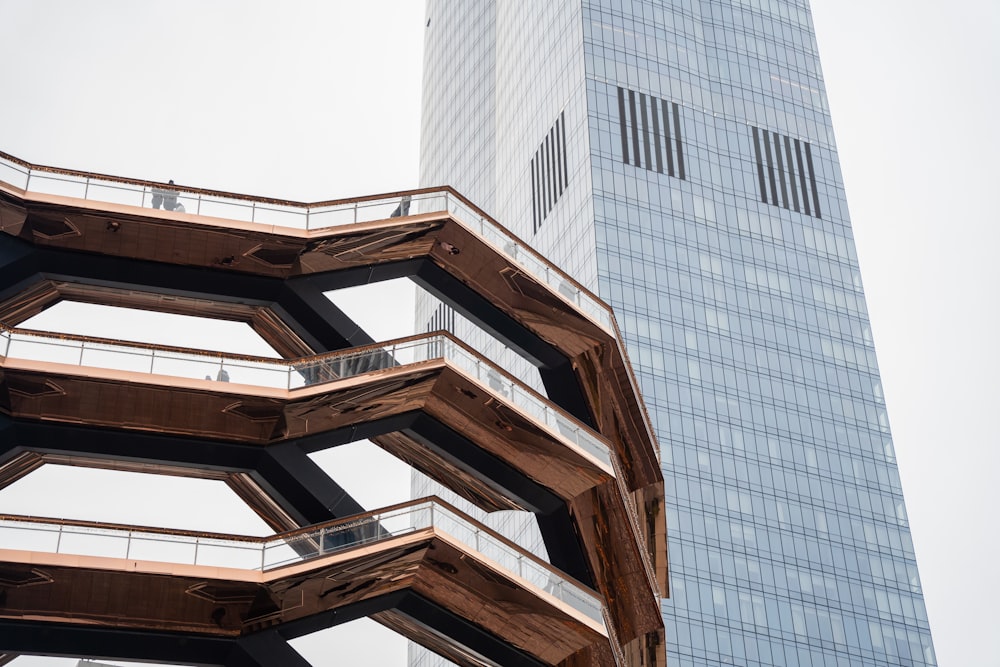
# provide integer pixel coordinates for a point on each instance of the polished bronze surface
(262, 415)
(186, 239)
(618, 511)
(596, 354)
(259, 416)
(205, 600)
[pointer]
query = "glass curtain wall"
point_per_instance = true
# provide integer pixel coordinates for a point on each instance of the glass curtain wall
(677, 158)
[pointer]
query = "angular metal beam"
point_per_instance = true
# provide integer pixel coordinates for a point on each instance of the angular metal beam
(452, 596)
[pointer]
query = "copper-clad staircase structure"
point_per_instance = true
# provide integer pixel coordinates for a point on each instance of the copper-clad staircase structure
(582, 458)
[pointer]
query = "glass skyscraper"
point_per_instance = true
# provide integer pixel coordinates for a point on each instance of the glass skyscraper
(677, 158)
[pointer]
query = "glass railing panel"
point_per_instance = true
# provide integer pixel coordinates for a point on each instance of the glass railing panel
(220, 207)
(33, 348)
(325, 540)
(420, 516)
(332, 216)
(116, 357)
(277, 553)
(458, 528)
(402, 521)
(303, 217)
(178, 203)
(500, 239)
(407, 353)
(282, 375)
(576, 598)
(58, 184)
(257, 373)
(117, 193)
(13, 173)
(277, 215)
(380, 209)
(527, 402)
(163, 548)
(351, 364)
(431, 202)
(83, 541)
(499, 552)
(178, 364)
(514, 561)
(228, 553)
(343, 366)
(331, 539)
(29, 536)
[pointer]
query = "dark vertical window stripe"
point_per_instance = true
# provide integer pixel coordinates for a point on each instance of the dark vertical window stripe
(770, 165)
(548, 173)
(562, 129)
(559, 158)
(543, 190)
(760, 165)
(791, 174)
(621, 120)
(787, 171)
(666, 129)
(802, 177)
(546, 176)
(555, 161)
(553, 179)
(812, 179)
(539, 156)
(645, 131)
(562, 144)
(541, 184)
(781, 168)
(654, 111)
(534, 197)
(443, 317)
(635, 127)
(677, 138)
(647, 121)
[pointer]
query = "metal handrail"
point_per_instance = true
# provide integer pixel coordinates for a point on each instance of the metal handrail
(300, 545)
(303, 372)
(465, 212)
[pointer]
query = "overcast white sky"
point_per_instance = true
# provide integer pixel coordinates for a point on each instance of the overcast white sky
(317, 100)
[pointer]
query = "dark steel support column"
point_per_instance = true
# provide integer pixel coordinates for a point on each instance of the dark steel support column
(265, 649)
(288, 472)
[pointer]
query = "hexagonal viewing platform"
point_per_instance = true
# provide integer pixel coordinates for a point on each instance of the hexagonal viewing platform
(583, 458)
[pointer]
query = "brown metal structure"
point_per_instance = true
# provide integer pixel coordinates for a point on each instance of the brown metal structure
(604, 522)
(233, 602)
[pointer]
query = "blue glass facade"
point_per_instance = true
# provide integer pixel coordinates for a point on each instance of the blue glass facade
(698, 191)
